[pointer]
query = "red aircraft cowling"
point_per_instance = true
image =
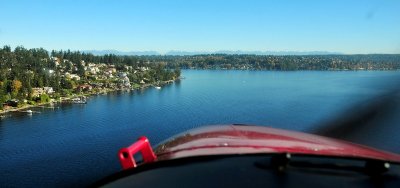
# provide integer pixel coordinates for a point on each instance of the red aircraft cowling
(244, 139)
(185, 158)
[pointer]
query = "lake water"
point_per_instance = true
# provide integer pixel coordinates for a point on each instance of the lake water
(77, 144)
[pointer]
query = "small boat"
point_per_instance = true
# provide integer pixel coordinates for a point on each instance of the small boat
(157, 87)
(81, 100)
(29, 111)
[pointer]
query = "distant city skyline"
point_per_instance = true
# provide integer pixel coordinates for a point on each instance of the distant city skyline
(348, 27)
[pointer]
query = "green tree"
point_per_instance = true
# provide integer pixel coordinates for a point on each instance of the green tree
(16, 86)
(67, 84)
(177, 72)
(44, 98)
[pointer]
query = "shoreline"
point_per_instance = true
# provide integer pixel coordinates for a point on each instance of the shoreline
(64, 99)
(18, 109)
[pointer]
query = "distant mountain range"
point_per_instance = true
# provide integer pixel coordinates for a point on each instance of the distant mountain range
(183, 53)
(116, 52)
(240, 52)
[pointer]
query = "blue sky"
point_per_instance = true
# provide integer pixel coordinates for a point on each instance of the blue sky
(369, 26)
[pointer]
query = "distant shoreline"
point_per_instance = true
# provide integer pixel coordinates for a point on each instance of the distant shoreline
(311, 70)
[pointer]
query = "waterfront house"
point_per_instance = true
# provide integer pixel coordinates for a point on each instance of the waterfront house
(93, 70)
(48, 90)
(125, 82)
(12, 102)
(108, 74)
(84, 87)
(111, 70)
(37, 91)
(72, 76)
(56, 61)
(122, 74)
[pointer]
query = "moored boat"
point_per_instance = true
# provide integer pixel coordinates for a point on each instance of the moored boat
(79, 100)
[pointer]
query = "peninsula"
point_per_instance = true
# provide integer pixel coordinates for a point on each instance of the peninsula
(30, 77)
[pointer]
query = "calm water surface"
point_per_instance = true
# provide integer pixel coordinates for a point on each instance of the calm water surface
(77, 144)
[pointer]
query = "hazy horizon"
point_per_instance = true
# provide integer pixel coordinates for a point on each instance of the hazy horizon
(189, 53)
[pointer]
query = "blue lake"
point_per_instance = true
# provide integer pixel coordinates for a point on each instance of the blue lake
(75, 145)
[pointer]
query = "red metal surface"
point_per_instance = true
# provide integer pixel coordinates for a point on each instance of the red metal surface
(233, 139)
(126, 155)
